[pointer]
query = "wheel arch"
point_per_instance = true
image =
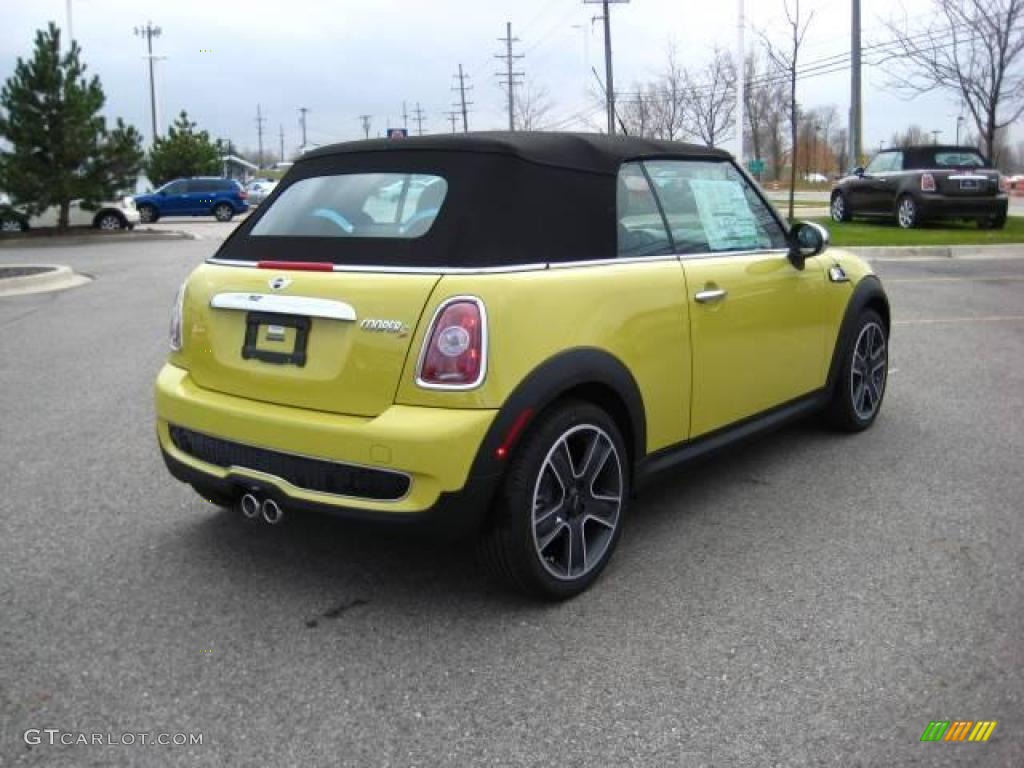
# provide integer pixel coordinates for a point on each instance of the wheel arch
(868, 294)
(586, 373)
(104, 211)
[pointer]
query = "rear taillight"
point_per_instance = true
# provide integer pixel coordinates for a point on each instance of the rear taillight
(927, 182)
(243, 194)
(1004, 184)
(176, 320)
(455, 355)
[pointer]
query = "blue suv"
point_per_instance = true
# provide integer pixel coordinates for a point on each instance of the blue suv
(200, 196)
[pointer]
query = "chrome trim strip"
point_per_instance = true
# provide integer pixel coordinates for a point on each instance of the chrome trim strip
(731, 254)
(532, 267)
(280, 304)
(613, 262)
(430, 332)
(970, 177)
(406, 475)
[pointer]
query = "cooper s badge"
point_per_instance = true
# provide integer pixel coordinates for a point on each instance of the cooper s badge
(384, 326)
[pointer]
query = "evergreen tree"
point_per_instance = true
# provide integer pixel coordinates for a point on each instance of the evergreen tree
(60, 148)
(184, 151)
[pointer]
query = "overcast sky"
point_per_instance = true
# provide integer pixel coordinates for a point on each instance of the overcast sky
(345, 58)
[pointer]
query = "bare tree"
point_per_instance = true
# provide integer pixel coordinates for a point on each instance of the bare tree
(760, 97)
(970, 48)
(709, 105)
(841, 150)
(914, 135)
(787, 59)
(532, 107)
(667, 106)
(639, 112)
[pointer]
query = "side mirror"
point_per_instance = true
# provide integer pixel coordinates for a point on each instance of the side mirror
(858, 171)
(806, 240)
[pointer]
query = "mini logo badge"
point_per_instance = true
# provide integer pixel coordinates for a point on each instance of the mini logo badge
(280, 282)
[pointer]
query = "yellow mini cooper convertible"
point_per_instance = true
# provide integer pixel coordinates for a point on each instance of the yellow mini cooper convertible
(507, 335)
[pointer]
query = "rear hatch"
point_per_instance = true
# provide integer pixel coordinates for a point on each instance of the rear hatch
(967, 182)
(329, 341)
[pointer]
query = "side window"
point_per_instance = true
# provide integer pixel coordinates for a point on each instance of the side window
(711, 207)
(895, 162)
(176, 188)
(202, 185)
(640, 226)
(879, 163)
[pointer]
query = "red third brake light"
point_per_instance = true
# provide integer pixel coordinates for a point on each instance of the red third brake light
(456, 346)
(927, 182)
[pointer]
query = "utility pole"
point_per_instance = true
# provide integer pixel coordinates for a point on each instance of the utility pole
(856, 105)
(453, 118)
(959, 122)
(302, 122)
(511, 77)
(741, 71)
(366, 124)
(281, 135)
(935, 137)
(71, 34)
(149, 32)
(260, 120)
(462, 88)
(405, 117)
(608, 80)
(418, 112)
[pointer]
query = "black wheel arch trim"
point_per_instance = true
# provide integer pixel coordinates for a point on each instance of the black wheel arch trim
(572, 370)
(869, 291)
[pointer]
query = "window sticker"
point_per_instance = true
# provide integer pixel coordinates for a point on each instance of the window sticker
(725, 214)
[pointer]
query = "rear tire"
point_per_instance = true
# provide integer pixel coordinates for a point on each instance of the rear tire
(992, 222)
(860, 387)
(12, 224)
(223, 212)
(840, 208)
(907, 213)
(148, 214)
(560, 510)
(110, 222)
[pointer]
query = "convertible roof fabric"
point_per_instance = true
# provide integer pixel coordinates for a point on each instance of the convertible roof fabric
(513, 198)
(593, 152)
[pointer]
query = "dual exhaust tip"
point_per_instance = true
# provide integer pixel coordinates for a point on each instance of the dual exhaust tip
(268, 509)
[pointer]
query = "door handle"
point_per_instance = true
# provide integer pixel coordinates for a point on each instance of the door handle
(715, 294)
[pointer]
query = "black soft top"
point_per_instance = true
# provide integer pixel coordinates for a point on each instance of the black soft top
(589, 152)
(513, 198)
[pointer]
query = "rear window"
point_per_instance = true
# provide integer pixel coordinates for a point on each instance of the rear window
(376, 205)
(959, 160)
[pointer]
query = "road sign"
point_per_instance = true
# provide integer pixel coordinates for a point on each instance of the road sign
(756, 167)
(398, 133)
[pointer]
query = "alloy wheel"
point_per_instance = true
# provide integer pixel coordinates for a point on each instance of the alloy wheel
(10, 225)
(577, 499)
(907, 213)
(146, 213)
(838, 208)
(110, 222)
(868, 372)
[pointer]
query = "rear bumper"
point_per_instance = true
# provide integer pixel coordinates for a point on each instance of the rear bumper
(943, 207)
(435, 448)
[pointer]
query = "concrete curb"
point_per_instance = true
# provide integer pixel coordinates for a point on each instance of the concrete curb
(910, 252)
(58, 241)
(60, 278)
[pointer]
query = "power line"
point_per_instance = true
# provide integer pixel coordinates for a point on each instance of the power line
(512, 78)
(260, 120)
(302, 122)
(419, 118)
(608, 81)
(463, 104)
(149, 32)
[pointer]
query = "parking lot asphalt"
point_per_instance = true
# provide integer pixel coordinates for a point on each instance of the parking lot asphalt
(808, 599)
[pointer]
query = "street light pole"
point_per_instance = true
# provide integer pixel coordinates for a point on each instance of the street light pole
(149, 32)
